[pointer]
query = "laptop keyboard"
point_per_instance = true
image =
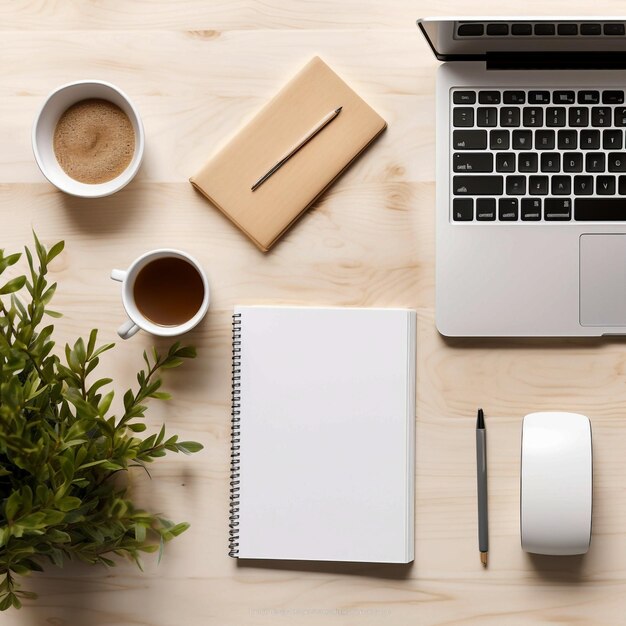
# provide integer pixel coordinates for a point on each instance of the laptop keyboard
(538, 155)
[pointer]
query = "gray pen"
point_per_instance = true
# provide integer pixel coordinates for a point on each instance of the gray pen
(481, 475)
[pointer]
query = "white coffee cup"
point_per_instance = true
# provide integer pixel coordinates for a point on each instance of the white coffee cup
(138, 321)
(45, 124)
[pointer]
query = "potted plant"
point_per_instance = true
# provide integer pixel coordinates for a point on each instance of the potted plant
(61, 446)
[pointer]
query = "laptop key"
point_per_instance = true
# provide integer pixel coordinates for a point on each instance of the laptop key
(477, 185)
(594, 162)
(572, 162)
(557, 209)
(532, 116)
(489, 97)
(499, 139)
(463, 210)
(612, 139)
(508, 209)
(486, 116)
(516, 185)
(523, 30)
(589, 139)
(544, 139)
(620, 116)
(538, 97)
(471, 30)
(561, 185)
(621, 185)
(590, 29)
(600, 116)
(555, 116)
(522, 140)
(588, 97)
(567, 139)
(563, 97)
(463, 116)
(579, 116)
(600, 209)
(505, 162)
(544, 30)
(538, 185)
(486, 209)
(514, 97)
(583, 185)
(605, 185)
(472, 162)
(498, 30)
(613, 97)
(464, 97)
(469, 139)
(528, 162)
(550, 162)
(614, 29)
(567, 30)
(531, 209)
(509, 116)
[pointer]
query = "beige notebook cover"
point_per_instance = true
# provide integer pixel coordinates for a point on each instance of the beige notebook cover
(266, 213)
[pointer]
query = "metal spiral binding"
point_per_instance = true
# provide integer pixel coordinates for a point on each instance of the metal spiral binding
(233, 539)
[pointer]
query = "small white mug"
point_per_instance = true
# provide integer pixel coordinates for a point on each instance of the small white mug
(136, 320)
(43, 136)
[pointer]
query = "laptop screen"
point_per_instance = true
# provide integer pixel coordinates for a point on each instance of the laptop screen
(472, 38)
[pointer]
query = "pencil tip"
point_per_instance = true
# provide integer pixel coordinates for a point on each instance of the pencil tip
(338, 110)
(480, 419)
(483, 558)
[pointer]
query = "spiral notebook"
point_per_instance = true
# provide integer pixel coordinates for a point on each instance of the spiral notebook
(323, 434)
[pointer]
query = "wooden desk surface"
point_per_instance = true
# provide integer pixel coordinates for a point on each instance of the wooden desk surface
(197, 70)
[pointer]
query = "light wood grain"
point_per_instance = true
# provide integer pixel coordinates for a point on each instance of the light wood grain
(197, 70)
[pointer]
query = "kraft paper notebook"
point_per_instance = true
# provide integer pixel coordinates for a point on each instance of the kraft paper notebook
(265, 214)
(323, 434)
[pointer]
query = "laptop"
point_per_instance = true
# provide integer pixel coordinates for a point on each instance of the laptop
(531, 175)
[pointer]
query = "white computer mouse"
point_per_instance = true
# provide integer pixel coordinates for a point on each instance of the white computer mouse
(556, 483)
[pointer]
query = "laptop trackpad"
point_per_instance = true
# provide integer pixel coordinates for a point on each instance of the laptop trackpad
(603, 280)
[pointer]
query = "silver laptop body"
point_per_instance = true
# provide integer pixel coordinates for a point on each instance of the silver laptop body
(531, 176)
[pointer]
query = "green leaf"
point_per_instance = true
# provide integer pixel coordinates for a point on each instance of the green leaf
(79, 349)
(12, 505)
(91, 344)
(56, 249)
(69, 503)
(48, 294)
(161, 395)
(161, 547)
(13, 285)
(6, 602)
(186, 352)
(172, 363)
(140, 532)
(105, 403)
(101, 349)
(179, 529)
(7, 261)
(190, 446)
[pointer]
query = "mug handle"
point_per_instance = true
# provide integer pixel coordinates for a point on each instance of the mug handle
(128, 328)
(118, 275)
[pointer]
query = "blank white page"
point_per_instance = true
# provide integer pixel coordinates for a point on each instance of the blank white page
(326, 434)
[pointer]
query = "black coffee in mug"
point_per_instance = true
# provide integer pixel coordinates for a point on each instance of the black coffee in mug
(168, 291)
